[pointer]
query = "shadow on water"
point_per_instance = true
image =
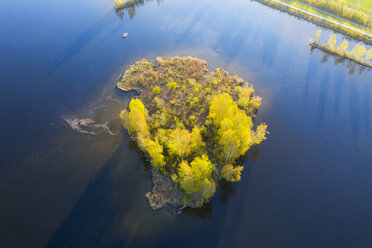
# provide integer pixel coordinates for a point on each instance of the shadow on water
(323, 96)
(83, 40)
(311, 72)
(269, 49)
(338, 89)
(203, 213)
(325, 58)
(354, 107)
(350, 65)
(104, 204)
(227, 191)
(254, 152)
(134, 147)
(367, 108)
(113, 211)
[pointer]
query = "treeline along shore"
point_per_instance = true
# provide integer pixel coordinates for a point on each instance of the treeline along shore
(321, 21)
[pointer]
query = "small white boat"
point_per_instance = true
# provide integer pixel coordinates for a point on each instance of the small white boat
(125, 35)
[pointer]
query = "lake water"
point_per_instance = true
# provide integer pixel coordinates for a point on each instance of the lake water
(70, 177)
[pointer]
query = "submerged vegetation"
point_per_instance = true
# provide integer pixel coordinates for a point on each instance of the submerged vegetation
(191, 125)
(358, 54)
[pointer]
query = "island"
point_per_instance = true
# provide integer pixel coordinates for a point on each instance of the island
(192, 126)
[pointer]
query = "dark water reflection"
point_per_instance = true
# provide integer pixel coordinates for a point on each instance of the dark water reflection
(308, 185)
(350, 65)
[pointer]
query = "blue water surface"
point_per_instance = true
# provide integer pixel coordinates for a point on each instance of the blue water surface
(70, 176)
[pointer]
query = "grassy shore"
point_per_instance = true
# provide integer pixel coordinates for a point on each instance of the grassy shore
(339, 9)
(311, 15)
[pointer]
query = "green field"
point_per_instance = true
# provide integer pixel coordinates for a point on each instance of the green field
(357, 12)
(364, 5)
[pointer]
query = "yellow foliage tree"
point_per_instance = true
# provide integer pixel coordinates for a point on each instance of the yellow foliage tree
(220, 107)
(358, 51)
(260, 134)
(230, 144)
(181, 142)
(162, 135)
(318, 33)
(156, 90)
(172, 85)
(231, 173)
(196, 139)
(332, 40)
(344, 46)
(136, 104)
(369, 54)
(362, 51)
(196, 177)
(155, 151)
(234, 127)
(135, 121)
(245, 95)
(118, 3)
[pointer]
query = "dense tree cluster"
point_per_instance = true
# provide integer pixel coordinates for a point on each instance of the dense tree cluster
(192, 126)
